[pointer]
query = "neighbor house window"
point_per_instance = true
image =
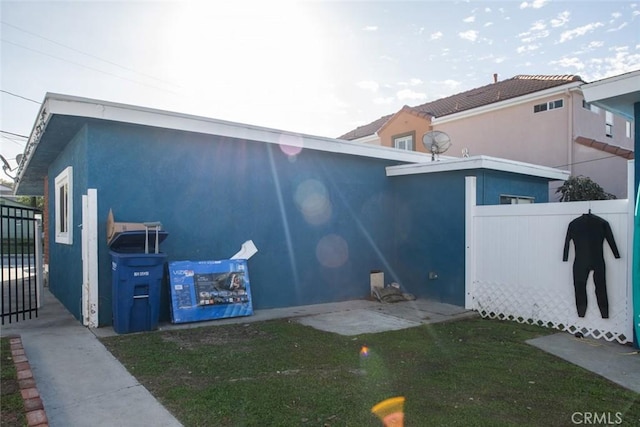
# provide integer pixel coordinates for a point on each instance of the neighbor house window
(590, 107)
(64, 206)
(548, 106)
(608, 127)
(404, 142)
(515, 200)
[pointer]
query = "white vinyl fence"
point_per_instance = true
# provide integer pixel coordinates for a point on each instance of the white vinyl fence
(514, 267)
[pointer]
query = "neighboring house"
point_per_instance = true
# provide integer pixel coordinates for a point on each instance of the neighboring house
(323, 213)
(622, 95)
(531, 118)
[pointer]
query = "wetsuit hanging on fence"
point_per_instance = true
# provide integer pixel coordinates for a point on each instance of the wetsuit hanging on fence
(588, 233)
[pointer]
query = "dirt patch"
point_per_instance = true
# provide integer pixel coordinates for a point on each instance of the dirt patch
(214, 336)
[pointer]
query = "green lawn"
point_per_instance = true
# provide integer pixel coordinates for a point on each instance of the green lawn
(474, 372)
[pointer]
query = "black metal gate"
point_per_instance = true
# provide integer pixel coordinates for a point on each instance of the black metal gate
(20, 260)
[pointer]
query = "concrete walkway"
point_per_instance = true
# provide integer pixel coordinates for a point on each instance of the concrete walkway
(80, 382)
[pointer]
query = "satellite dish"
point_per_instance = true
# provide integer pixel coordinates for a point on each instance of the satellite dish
(6, 167)
(436, 142)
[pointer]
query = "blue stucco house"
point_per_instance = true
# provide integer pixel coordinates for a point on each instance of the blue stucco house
(323, 213)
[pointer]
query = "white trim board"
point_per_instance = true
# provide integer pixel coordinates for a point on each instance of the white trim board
(90, 108)
(479, 162)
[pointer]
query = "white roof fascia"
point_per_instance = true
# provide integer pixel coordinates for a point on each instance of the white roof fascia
(612, 86)
(479, 162)
(90, 108)
(506, 103)
(617, 94)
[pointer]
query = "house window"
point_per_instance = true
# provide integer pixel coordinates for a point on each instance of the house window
(558, 103)
(515, 200)
(628, 129)
(64, 206)
(590, 107)
(608, 127)
(404, 142)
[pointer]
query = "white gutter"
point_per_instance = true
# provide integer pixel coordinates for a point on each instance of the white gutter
(558, 90)
(479, 162)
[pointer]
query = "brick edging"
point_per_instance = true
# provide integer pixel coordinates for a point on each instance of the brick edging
(34, 409)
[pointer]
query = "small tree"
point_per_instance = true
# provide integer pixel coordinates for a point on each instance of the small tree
(582, 188)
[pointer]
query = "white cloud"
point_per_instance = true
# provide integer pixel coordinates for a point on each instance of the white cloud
(368, 85)
(470, 35)
(488, 24)
(527, 48)
(537, 31)
(595, 44)
(437, 35)
(411, 95)
(415, 81)
(618, 28)
(569, 63)
(371, 28)
(384, 100)
(616, 15)
(580, 31)
(535, 4)
(561, 19)
(487, 9)
(500, 59)
(469, 19)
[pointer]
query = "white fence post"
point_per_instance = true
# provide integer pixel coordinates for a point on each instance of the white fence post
(469, 237)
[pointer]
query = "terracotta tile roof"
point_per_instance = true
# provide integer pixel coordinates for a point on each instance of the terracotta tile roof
(607, 148)
(500, 91)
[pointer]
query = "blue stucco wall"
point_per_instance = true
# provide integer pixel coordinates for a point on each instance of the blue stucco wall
(429, 221)
(320, 220)
(65, 261)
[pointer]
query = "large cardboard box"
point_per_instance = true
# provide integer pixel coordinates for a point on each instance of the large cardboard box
(113, 227)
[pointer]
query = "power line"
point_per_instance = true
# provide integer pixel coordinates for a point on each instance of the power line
(88, 67)
(19, 96)
(14, 134)
(13, 140)
(86, 53)
(586, 161)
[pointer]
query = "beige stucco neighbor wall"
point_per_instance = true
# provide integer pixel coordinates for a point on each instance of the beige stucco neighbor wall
(546, 138)
(403, 123)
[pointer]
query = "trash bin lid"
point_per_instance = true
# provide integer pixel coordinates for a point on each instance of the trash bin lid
(133, 241)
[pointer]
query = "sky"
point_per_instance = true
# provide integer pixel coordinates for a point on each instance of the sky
(314, 67)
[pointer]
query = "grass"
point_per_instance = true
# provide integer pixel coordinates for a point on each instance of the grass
(11, 404)
(474, 372)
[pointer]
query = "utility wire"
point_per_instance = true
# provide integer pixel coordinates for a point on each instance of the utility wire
(14, 134)
(86, 53)
(586, 161)
(13, 140)
(88, 67)
(19, 96)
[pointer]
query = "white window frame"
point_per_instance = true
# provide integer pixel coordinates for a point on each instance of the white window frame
(546, 106)
(608, 127)
(64, 206)
(516, 200)
(404, 142)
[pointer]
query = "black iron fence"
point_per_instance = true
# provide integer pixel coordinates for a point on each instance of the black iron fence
(21, 274)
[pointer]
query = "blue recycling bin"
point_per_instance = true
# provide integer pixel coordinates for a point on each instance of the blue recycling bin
(136, 282)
